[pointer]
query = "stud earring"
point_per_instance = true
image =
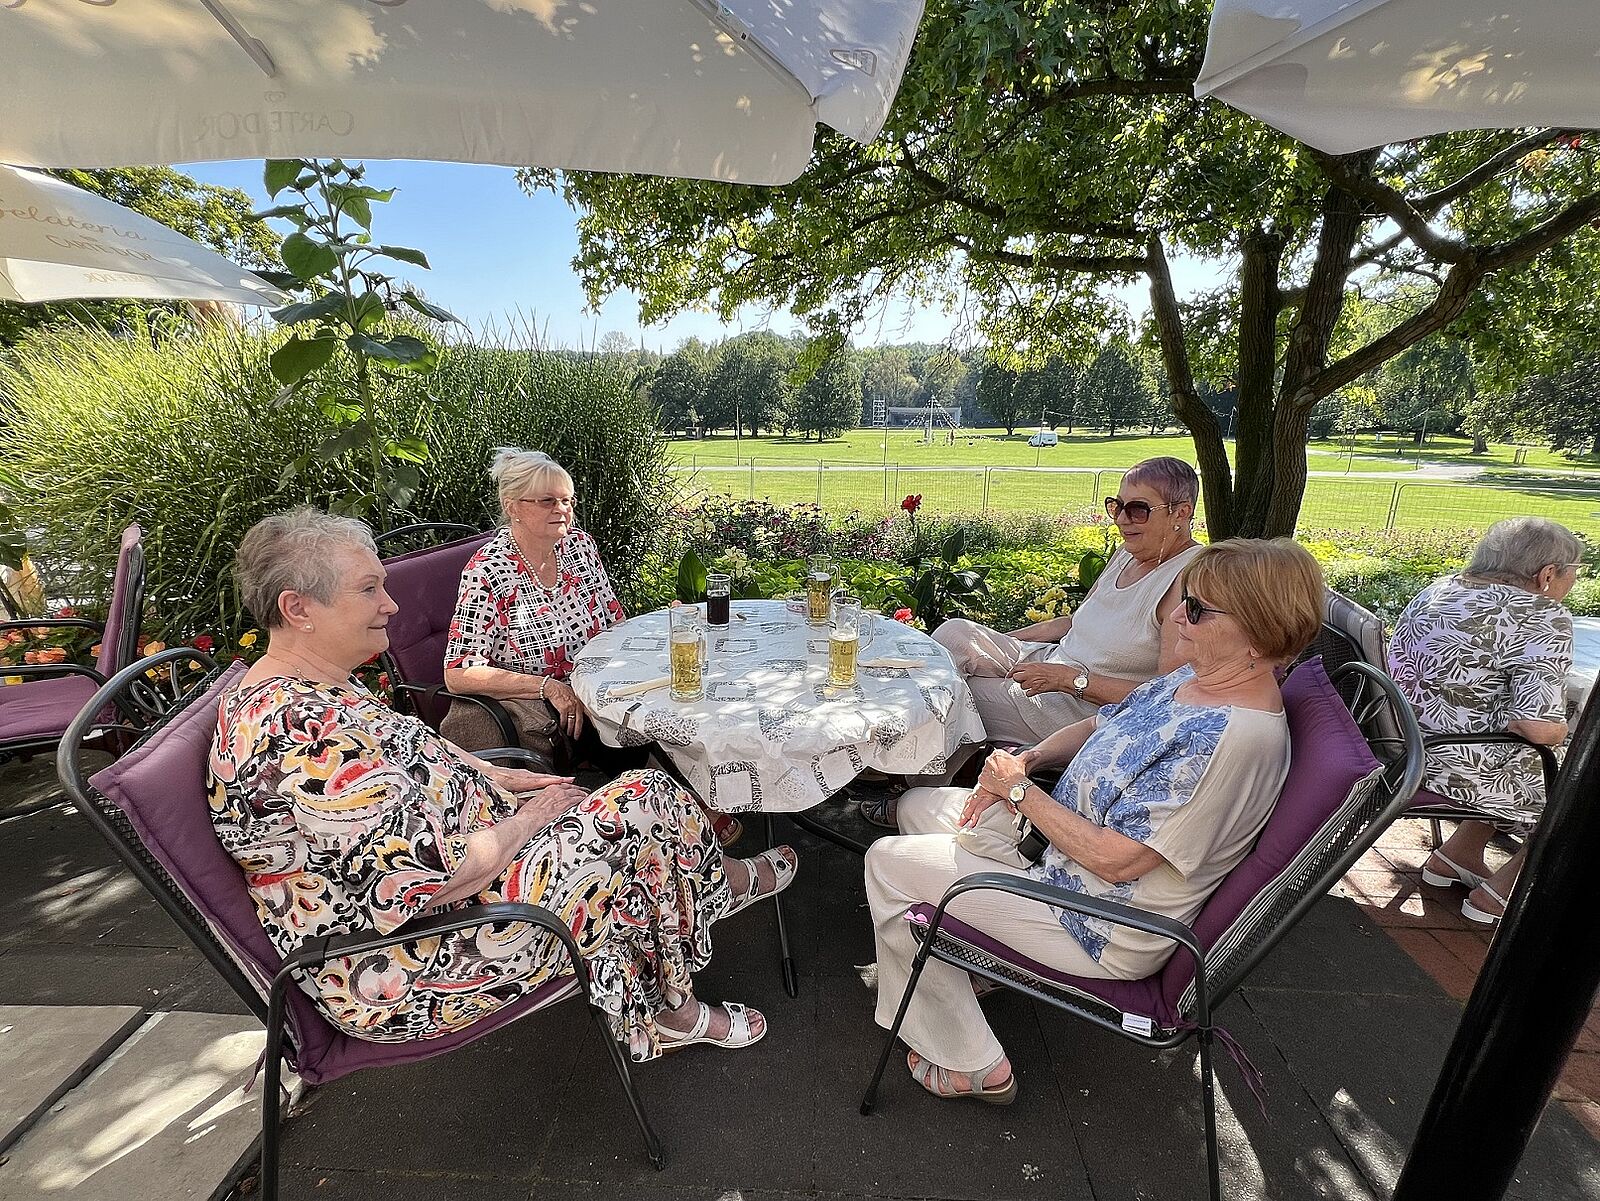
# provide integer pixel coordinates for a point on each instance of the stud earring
(307, 629)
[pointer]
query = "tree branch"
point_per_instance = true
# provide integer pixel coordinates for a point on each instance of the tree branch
(1431, 202)
(1391, 204)
(1094, 264)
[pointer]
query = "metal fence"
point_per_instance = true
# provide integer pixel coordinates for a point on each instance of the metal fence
(1332, 501)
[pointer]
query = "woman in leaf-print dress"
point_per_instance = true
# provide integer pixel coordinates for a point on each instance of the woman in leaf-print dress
(348, 816)
(1164, 793)
(1488, 651)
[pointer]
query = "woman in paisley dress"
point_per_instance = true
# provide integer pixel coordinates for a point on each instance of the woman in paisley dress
(1163, 794)
(348, 816)
(1488, 651)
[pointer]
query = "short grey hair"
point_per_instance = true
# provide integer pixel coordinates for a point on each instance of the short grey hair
(1174, 480)
(1515, 550)
(519, 474)
(294, 551)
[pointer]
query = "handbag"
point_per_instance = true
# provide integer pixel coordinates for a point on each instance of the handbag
(1031, 844)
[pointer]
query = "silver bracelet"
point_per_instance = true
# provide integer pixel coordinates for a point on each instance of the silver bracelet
(544, 682)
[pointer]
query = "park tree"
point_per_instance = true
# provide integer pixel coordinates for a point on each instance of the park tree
(886, 378)
(997, 394)
(749, 386)
(1039, 151)
(829, 402)
(219, 218)
(677, 389)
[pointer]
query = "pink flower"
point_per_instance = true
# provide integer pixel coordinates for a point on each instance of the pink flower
(902, 615)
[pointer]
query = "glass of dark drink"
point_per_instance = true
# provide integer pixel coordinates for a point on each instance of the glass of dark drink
(719, 587)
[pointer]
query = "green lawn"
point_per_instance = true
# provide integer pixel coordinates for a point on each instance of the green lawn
(987, 471)
(1370, 454)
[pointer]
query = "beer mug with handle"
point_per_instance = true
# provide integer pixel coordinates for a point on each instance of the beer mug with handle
(686, 648)
(844, 640)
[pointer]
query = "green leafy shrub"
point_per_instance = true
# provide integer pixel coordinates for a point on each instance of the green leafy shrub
(184, 437)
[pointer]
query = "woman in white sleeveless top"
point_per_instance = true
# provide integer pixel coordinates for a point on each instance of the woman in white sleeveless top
(1032, 682)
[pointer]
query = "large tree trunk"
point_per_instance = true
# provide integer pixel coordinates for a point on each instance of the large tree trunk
(1216, 477)
(1254, 463)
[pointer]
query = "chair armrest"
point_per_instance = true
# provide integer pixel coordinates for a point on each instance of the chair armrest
(56, 623)
(1111, 911)
(517, 756)
(1547, 755)
(315, 951)
(495, 710)
(45, 671)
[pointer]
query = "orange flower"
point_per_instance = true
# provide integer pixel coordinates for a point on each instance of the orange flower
(30, 656)
(53, 654)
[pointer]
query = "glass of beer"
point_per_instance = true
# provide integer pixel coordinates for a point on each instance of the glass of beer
(687, 653)
(820, 575)
(844, 638)
(719, 587)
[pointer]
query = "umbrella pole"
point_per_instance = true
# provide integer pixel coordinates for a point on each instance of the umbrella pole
(1530, 1001)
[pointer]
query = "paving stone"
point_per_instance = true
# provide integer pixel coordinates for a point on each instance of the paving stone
(1316, 956)
(1449, 972)
(486, 1110)
(166, 1116)
(1370, 1064)
(46, 1049)
(1138, 1119)
(344, 1184)
(56, 974)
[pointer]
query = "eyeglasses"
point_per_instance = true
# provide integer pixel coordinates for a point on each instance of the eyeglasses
(1138, 511)
(1193, 609)
(551, 502)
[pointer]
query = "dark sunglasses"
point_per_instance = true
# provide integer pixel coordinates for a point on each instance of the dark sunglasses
(1192, 609)
(1138, 511)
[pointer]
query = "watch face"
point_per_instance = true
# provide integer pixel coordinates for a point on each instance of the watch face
(1018, 791)
(1080, 682)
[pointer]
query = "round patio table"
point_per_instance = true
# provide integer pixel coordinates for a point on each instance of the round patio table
(770, 735)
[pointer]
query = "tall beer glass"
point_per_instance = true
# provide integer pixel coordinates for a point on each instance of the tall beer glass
(844, 639)
(687, 653)
(820, 576)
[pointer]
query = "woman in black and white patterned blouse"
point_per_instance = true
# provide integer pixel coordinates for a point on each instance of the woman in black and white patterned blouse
(1488, 651)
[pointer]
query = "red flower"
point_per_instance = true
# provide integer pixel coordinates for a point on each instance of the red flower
(902, 614)
(205, 643)
(912, 503)
(67, 611)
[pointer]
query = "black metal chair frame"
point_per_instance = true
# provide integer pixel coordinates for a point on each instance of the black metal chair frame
(23, 747)
(442, 531)
(1217, 975)
(109, 820)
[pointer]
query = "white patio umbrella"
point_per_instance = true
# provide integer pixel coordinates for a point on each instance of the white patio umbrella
(58, 242)
(1344, 75)
(715, 89)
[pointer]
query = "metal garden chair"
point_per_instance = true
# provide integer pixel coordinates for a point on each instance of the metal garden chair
(425, 584)
(152, 806)
(1342, 790)
(420, 536)
(35, 713)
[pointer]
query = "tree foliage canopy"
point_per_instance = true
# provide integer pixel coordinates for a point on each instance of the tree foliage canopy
(1039, 149)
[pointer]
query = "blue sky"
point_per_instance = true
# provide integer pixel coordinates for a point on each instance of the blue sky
(497, 252)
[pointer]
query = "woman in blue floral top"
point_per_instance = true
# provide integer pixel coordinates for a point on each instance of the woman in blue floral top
(1162, 796)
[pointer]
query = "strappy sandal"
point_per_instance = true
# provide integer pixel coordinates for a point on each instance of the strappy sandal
(727, 829)
(879, 811)
(1460, 875)
(1482, 916)
(739, 1034)
(785, 866)
(937, 1082)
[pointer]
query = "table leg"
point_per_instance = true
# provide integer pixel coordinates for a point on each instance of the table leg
(791, 978)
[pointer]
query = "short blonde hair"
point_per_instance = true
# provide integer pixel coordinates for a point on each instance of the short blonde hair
(294, 551)
(519, 474)
(1272, 587)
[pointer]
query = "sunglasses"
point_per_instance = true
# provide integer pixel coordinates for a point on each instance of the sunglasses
(1138, 511)
(1193, 609)
(550, 502)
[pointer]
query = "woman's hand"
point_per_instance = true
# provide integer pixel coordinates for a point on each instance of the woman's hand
(517, 779)
(569, 709)
(1003, 771)
(541, 807)
(977, 804)
(1035, 678)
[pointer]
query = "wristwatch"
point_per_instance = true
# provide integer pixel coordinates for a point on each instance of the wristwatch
(1080, 681)
(1017, 793)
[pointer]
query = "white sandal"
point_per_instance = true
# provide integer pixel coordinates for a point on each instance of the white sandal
(1482, 916)
(739, 1030)
(785, 866)
(1460, 875)
(940, 1083)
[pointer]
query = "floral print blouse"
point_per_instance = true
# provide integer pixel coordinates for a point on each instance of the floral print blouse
(1472, 657)
(1194, 783)
(506, 618)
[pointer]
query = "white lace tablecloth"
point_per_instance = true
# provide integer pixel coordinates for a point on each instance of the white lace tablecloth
(769, 735)
(1585, 663)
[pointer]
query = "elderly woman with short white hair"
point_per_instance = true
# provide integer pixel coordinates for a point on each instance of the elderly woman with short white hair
(1488, 651)
(345, 815)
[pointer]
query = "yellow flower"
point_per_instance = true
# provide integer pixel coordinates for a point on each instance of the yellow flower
(151, 648)
(247, 640)
(1036, 615)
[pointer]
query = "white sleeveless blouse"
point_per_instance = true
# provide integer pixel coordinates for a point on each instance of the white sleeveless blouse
(1117, 631)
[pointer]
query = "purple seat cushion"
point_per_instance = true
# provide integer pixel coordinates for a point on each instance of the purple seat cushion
(425, 584)
(42, 708)
(161, 787)
(125, 594)
(1328, 758)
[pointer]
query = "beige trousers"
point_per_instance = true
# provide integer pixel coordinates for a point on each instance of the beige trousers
(987, 658)
(944, 1023)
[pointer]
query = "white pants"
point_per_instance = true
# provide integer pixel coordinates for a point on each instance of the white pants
(944, 1023)
(987, 658)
